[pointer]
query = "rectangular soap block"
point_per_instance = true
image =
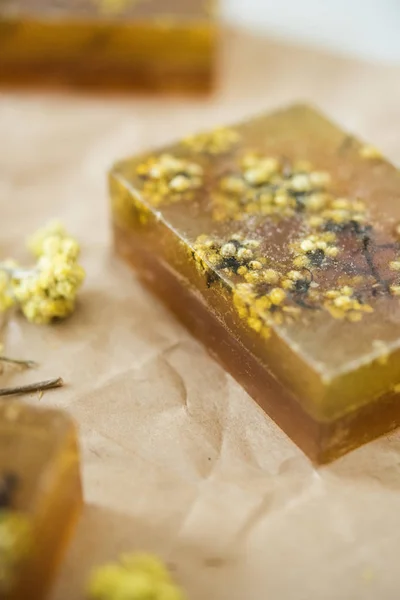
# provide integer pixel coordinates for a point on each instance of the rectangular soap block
(138, 44)
(40, 497)
(277, 242)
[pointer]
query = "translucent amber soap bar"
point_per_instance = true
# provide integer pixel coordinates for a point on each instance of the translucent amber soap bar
(141, 44)
(277, 242)
(40, 497)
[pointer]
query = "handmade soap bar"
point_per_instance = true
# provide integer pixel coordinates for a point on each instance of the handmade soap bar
(149, 44)
(40, 497)
(277, 242)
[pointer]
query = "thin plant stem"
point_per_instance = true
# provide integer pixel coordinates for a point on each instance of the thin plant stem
(32, 387)
(29, 364)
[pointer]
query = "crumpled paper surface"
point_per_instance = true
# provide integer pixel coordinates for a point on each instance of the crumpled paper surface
(177, 459)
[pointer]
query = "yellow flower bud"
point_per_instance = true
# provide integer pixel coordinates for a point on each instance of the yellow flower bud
(52, 229)
(6, 298)
(136, 578)
(49, 290)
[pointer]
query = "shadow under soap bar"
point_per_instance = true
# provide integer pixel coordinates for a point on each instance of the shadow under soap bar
(277, 242)
(40, 497)
(163, 45)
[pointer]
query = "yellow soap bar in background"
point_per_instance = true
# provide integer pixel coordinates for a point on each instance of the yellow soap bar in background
(163, 45)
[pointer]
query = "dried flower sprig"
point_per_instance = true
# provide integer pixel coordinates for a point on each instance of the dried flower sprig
(48, 290)
(29, 388)
(136, 577)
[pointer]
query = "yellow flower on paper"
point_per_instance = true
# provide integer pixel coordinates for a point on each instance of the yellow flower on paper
(52, 229)
(6, 298)
(134, 577)
(48, 290)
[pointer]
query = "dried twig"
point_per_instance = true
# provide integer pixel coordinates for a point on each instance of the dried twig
(32, 387)
(29, 364)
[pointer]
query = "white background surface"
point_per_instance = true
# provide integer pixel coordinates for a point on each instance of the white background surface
(369, 28)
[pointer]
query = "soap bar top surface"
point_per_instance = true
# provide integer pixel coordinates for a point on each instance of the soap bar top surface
(300, 222)
(134, 9)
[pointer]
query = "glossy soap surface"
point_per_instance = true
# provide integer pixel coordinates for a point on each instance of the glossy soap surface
(130, 43)
(40, 497)
(283, 234)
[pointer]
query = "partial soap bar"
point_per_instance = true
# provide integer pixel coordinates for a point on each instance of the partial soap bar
(137, 44)
(277, 242)
(40, 497)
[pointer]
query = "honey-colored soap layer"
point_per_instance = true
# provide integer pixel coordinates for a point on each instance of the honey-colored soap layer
(284, 229)
(140, 51)
(41, 499)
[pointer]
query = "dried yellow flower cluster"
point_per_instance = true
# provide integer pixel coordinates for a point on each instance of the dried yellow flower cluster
(339, 213)
(47, 291)
(218, 141)
(262, 305)
(169, 179)
(137, 577)
(6, 298)
(267, 187)
(236, 255)
(314, 249)
(265, 293)
(344, 304)
(270, 188)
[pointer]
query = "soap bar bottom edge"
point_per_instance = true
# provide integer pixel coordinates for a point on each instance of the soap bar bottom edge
(138, 78)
